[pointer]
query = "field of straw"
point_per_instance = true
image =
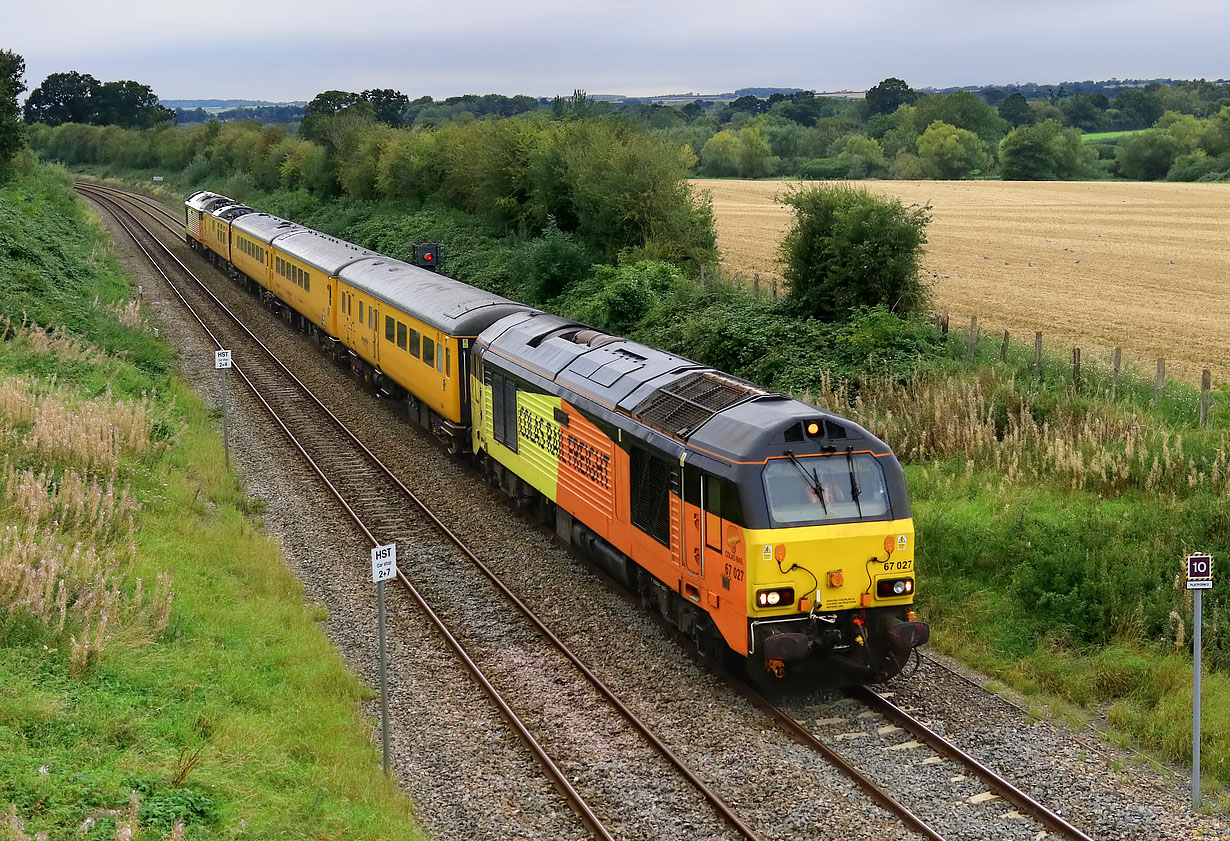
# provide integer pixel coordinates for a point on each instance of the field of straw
(1145, 267)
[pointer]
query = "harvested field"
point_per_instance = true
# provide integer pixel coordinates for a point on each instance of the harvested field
(1145, 267)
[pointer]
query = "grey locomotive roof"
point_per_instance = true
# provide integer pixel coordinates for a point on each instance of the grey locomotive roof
(449, 305)
(200, 198)
(678, 397)
(265, 226)
(613, 371)
(326, 253)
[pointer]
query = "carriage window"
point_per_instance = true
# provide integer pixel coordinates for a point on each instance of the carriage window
(448, 362)
(414, 342)
(307, 282)
(371, 319)
(360, 313)
(429, 350)
(825, 488)
(440, 358)
(388, 328)
(401, 335)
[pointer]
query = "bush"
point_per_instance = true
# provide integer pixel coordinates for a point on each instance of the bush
(822, 169)
(850, 249)
(617, 298)
(552, 263)
(1046, 152)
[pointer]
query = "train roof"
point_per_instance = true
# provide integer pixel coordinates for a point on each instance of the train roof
(454, 307)
(199, 199)
(329, 254)
(266, 227)
(692, 403)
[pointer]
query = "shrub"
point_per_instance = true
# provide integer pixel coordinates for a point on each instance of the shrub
(849, 249)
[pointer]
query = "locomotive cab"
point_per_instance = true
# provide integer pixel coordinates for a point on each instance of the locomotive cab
(827, 540)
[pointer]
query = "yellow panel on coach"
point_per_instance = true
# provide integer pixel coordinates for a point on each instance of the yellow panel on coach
(250, 257)
(421, 359)
(216, 235)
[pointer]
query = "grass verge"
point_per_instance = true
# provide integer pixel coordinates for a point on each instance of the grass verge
(159, 670)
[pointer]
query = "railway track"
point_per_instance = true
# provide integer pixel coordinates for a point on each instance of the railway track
(374, 498)
(384, 522)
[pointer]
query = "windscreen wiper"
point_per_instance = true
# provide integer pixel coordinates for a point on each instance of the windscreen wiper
(855, 491)
(812, 480)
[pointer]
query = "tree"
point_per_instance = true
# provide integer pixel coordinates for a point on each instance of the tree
(950, 152)
(390, 105)
(80, 98)
(128, 104)
(1141, 107)
(1147, 156)
(1015, 111)
(885, 97)
(1046, 152)
(720, 154)
(63, 98)
(963, 110)
(849, 249)
(12, 132)
(861, 156)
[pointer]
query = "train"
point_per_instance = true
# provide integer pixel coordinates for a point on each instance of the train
(775, 534)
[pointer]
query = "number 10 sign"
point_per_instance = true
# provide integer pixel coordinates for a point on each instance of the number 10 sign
(1200, 572)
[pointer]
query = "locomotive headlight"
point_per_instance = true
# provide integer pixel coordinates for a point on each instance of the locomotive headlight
(899, 588)
(774, 597)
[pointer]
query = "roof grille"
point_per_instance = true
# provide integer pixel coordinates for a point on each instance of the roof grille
(681, 406)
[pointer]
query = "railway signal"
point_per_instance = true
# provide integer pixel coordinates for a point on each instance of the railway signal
(429, 256)
(1199, 579)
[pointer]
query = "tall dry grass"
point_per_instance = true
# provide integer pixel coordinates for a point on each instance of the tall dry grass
(1093, 444)
(72, 431)
(67, 548)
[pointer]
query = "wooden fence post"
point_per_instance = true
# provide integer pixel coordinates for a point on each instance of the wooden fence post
(1206, 384)
(1159, 383)
(1076, 368)
(973, 338)
(944, 324)
(774, 289)
(1003, 349)
(756, 284)
(1038, 353)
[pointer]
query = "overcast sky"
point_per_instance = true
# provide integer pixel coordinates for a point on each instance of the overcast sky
(283, 50)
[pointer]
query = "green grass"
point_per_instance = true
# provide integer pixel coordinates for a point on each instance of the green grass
(243, 672)
(1109, 135)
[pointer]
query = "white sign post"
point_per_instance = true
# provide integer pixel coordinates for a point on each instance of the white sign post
(384, 567)
(222, 361)
(1199, 579)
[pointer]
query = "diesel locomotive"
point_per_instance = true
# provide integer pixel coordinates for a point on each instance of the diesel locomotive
(768, 530)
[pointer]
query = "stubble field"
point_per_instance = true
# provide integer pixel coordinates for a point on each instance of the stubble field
(1099, 265)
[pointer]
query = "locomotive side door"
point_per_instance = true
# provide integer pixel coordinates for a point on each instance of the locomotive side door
(692, 569)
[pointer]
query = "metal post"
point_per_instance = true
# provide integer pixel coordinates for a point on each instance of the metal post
(226, 433)
(1196, 708)
(384, 677)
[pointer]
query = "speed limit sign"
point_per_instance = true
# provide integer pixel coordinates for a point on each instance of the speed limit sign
(1200, 572)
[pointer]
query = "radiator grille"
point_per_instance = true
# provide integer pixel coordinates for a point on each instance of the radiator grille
(650, 477)
(686, 403)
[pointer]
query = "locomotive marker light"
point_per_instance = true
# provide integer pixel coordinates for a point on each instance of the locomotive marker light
(384, 567)
(222, 361)
(1199, 579)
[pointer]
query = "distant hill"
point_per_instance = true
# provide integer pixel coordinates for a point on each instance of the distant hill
(223, 104)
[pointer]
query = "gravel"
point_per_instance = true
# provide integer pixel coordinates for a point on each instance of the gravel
(463, 768)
